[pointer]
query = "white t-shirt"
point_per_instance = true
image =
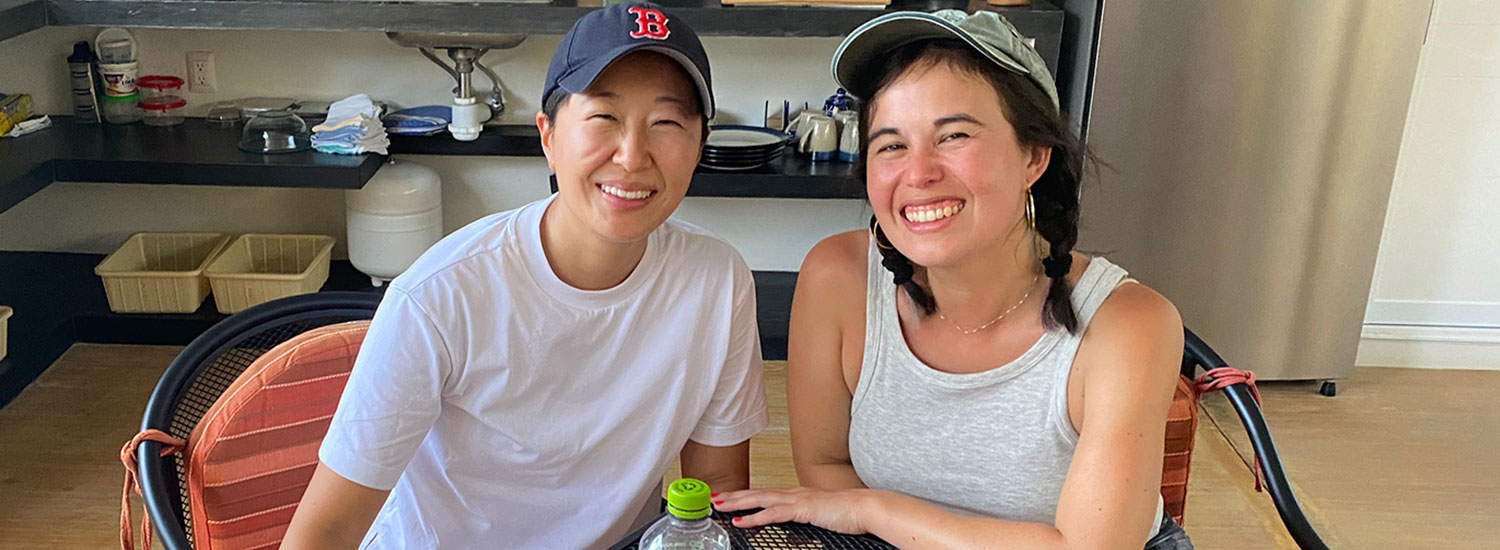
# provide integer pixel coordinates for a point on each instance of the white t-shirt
(507, 409)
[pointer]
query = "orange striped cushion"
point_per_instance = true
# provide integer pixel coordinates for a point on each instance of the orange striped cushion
(252, 455)
(1182, 425)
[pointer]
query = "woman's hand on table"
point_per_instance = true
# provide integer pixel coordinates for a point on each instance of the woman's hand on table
(840, 510)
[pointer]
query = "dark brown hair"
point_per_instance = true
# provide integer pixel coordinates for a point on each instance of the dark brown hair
(1037, 122)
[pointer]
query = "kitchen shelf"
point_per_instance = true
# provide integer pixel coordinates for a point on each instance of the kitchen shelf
(97, 324)
(790, 176)
(509, 140)
(58, 301)
(191, 153)
(194, 153)
(21, 16)
(708, 17)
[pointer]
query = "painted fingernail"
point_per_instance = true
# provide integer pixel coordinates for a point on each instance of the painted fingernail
(713, 495)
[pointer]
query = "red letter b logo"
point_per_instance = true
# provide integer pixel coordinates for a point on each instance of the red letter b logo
(649, 24)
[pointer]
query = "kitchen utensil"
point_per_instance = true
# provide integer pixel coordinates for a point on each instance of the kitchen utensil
(819, 137)
(848, 136)
(275, 132)
(223, 114)
(249, 107)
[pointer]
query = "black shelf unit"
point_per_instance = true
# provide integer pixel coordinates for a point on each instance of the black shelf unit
(59, 301)
(195, 153)
(789, 176)
(191, 153)
(708, 17)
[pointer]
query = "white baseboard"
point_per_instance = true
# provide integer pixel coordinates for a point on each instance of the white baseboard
(1429, 347)
(1432, 313)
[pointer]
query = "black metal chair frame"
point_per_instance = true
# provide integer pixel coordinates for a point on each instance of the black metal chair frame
(1196, 354)
(159, 475)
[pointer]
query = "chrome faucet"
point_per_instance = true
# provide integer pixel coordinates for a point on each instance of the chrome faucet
(465, 50)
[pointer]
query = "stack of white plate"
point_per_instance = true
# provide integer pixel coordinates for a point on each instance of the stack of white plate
(741, 147)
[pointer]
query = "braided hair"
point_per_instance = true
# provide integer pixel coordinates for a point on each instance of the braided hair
(1037, 122)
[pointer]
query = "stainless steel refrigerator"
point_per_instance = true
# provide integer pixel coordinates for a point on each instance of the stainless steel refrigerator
(1250, 146)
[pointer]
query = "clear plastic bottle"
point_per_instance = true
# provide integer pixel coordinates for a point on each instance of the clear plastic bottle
(687, 525)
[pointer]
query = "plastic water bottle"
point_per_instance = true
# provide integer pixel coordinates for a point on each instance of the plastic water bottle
(687, 525)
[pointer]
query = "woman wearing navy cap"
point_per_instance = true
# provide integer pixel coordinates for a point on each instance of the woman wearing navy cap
(528, 381)
(958, 376)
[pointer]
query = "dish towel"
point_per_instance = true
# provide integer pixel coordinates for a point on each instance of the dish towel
(351, 128)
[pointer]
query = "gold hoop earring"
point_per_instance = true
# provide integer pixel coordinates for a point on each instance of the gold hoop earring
(1030, 210)
(1037, 242)
(876, 235)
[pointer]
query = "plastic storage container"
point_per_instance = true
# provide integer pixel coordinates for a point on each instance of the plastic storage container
(157, 85)
(163, 110)
(396, 217)
(117, 62)
(255, 269)
(121, 109)
(159, 272)
(5, 312)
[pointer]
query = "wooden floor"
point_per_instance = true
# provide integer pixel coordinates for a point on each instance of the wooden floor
(1400, 459)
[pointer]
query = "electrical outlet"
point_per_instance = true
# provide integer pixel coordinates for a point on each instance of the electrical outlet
(201, 76)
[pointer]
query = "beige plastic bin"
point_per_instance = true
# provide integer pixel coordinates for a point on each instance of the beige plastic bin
(5, 312)
(159, 272)
(255, 269)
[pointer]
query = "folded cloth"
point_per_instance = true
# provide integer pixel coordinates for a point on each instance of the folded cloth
(419, 121)
(379, 144)
(354, 134)
(344, 134)
(351, 140)
(363, 122)
(357, 104)
(350, 132)
(343, 150)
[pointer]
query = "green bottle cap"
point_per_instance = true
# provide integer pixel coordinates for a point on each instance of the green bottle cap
(687, 498)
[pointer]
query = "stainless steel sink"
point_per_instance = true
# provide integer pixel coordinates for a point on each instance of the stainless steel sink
(465, 50)
(452, 40)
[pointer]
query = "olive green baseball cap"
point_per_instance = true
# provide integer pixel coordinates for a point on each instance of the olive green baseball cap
(858, 58)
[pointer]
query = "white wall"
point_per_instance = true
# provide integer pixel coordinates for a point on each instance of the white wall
(1435, 298)
(773, 234)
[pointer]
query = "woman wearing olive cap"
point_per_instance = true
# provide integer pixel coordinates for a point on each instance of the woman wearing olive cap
(958, 376)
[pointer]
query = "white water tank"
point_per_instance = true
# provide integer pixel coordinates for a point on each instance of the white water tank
(396, 217)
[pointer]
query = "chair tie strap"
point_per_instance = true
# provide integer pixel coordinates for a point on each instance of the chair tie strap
(1223, 377)
(170, 445)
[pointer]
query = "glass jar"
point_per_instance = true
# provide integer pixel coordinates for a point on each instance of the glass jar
(122, 109)
(163, 110)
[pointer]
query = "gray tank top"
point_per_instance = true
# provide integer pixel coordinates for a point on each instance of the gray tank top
(995, 443)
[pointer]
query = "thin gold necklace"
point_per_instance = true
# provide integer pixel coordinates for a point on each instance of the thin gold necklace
(997, 319)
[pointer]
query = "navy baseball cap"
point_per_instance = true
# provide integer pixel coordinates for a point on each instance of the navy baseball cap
(601, 36)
